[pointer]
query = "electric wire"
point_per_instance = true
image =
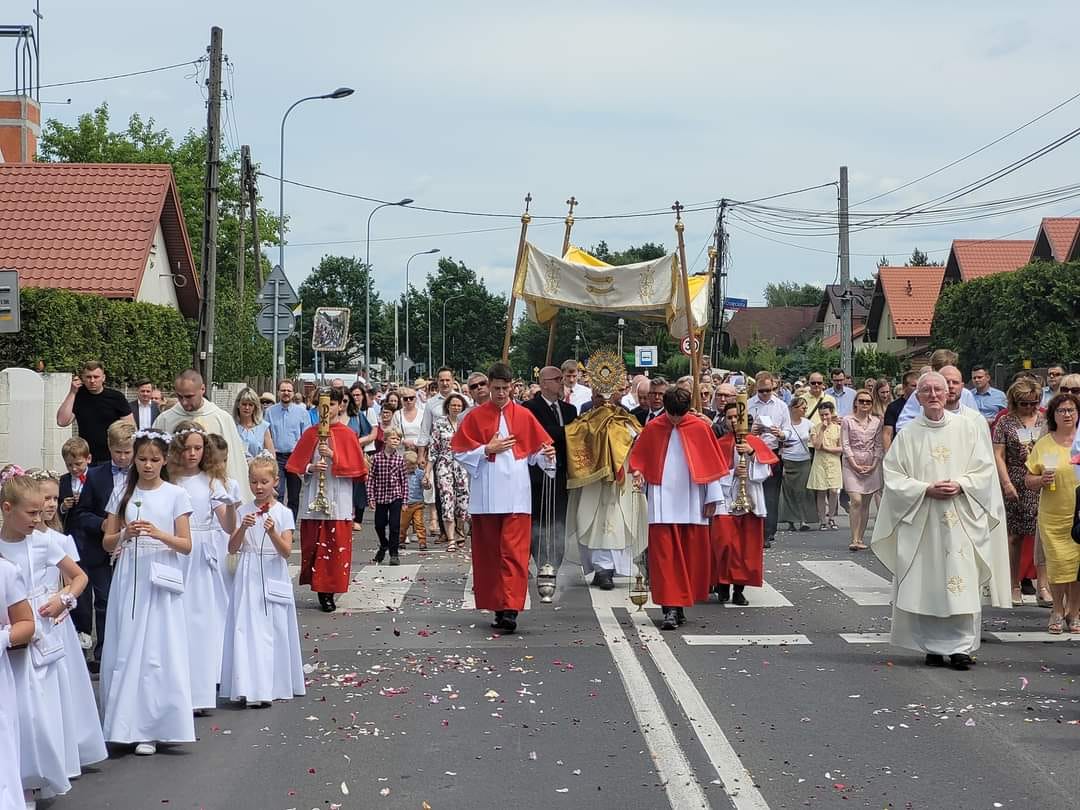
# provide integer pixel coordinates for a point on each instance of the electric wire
(127, 75)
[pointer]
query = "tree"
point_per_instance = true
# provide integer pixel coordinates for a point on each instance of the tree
(475, 318)
(1030, 314)
(239, 350)
(793, 294)
(920, 259)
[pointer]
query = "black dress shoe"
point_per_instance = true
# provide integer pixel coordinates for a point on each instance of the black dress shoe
(604, 579)
(94, 667)
(737, 598)
(379, 557)
(497, 623)
(723, 593)
(671, 619)
(960, 661)
(395, 560)
(680, 617)
(935, 660)
(509, 621)
(1027, 587)
(769, 542)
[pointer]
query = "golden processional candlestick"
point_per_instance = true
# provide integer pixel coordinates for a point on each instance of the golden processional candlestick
(321, 502)
(741, 505)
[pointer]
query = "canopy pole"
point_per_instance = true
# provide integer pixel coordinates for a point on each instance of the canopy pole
(694, 369)
(572, 202)
(526, 218)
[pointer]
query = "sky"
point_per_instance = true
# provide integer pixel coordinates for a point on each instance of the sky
(626, 105)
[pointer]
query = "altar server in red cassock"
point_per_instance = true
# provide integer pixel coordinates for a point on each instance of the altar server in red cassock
(496, 442)
(326, 535)
(738, 541)
(678, 461)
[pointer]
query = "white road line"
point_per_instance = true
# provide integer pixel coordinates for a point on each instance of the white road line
(765, 596)
(1032, 636)
(737, 781)
(759, 640)
(865, 638)
(377, 588)
(468, 598)
(680, 783)
(861, 585)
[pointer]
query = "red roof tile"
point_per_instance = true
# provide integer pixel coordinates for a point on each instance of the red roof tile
(780, 326)
(1055, 238)
(911, 293)
(975, 258)
(833, 340)
(89, 227)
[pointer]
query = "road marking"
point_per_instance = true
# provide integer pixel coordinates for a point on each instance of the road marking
(865, 638)
(862, 586)
(1032, 636)
(760, 640)
(672, 766)
(765, 596)
(737, 781)
(468, 599)
(377, 588)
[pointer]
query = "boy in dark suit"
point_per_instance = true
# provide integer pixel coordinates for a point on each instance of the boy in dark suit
(87, 518)
(76, 454)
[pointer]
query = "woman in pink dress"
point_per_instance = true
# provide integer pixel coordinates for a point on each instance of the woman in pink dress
(860, 440)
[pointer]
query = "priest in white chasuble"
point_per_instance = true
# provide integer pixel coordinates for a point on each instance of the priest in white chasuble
(937, 529)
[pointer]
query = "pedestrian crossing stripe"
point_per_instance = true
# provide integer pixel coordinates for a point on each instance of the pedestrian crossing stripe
(1032, 636)
(751, 640)
(865, 638)
(859, 584)
(377, 588)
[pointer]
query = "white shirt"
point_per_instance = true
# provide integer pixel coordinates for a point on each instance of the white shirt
(579, 395)
(798, 446)
(501, 486)
(433, 409)
(773, 413)
(677, 499)
(144, 414)
(912, 408)
(629, 402)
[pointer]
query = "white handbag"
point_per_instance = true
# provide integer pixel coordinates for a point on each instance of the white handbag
(279, 591)
(166, 577)
(46, 648)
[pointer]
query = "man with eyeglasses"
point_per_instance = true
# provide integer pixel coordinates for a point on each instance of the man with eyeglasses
(816, 393)
(1054, 374)
(654, 404)
(989, 401)
(938, 360)
(772, 423)
(841, 394)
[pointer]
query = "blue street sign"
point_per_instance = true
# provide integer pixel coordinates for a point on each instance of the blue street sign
(736, 303)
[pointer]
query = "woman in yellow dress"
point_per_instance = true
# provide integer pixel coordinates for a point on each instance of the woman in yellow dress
(825, 474)
(1051, 475)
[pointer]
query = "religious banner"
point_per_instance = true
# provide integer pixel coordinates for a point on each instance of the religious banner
(645, 290)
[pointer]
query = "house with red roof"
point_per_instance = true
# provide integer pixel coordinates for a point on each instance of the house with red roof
(116, 230)
(1056, 240)
(976, 258)
(902, 309)
(783, 327)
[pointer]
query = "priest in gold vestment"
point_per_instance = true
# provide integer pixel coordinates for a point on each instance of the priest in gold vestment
(938, 531)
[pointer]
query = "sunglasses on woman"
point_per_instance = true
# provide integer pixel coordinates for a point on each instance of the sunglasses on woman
(1065, 390)
(863, 402)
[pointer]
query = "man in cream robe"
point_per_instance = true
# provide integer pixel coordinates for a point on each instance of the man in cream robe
(938, 530)
(192, 404)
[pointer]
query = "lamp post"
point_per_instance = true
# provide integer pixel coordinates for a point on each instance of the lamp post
(421, 253)
(341, 92)
(367, 289)
(444, 303)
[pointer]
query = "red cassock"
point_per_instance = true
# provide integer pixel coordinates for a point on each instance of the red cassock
(680, 559)
(738, 541)
(326, 545)
(500, 541)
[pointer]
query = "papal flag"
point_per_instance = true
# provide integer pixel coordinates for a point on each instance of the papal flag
(298, 311)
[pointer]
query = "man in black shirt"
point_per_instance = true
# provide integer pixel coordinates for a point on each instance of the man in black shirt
(94, 407)
(892, 413)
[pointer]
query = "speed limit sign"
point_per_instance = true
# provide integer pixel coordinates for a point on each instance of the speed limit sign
(685, 345)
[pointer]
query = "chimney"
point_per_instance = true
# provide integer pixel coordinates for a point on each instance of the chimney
(20, 128)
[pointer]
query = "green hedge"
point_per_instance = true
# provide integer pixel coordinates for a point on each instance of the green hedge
(61, 329)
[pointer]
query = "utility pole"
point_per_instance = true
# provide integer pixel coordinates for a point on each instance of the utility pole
(240, 251)
(250, 187)
(845, 277)
(204, 357)
(719, 287)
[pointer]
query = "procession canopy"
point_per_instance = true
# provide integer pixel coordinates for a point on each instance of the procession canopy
(648, 291)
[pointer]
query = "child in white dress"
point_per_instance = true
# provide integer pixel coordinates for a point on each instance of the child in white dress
(45, 751)
(194, 465)
(82, 727)
(262, 661)
(232, 486)
(16, 630)
(145, 683)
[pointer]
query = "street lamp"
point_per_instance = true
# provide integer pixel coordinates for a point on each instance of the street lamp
(367, 289)
(421, 253)
(444, 303)
(340, 92)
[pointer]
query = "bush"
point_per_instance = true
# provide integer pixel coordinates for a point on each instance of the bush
(61, 329)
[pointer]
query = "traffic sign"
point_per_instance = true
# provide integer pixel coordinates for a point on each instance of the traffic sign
(285, 293)
(684, 346)
(285, 322)
(645, 356)
(736, 303)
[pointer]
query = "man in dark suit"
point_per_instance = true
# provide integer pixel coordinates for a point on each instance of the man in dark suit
(86, 523)
(143, 407)
(654, 405)
(554, 415)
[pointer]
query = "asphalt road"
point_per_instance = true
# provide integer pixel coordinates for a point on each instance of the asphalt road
(413, 699)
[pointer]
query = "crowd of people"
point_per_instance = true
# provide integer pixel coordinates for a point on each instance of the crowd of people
(159, 559)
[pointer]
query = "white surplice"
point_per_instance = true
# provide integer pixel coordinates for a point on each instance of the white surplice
(677, 499)
(501, 486)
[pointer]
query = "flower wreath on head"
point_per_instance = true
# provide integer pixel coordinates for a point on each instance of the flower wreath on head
(41, 474)
(198, 430)
(11, 471)
(264, 454)
(151, 433)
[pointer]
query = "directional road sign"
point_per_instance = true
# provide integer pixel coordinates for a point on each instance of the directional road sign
(736, 303)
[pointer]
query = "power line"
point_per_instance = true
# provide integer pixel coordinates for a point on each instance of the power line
(418, 236)
(117, 75)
